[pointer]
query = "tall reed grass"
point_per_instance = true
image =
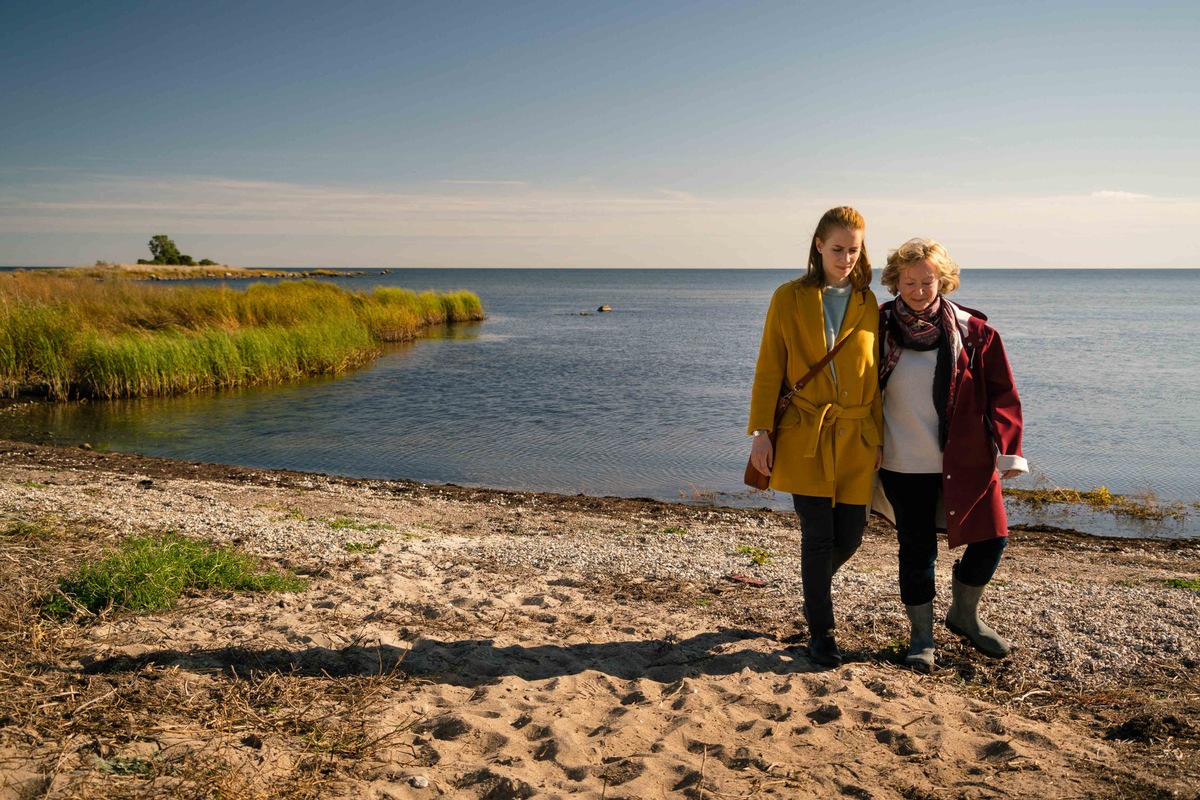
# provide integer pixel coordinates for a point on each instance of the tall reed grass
(80, 337)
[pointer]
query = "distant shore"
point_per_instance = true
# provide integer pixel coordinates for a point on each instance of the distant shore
(472, 641)
(164, 272)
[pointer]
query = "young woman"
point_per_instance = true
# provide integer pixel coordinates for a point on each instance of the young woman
(952, 421)
(827, 445)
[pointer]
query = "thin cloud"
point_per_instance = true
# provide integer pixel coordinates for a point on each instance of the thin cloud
(1108, 194)
(116, 203)
(472, 182)
(585, 226)
(686, 197)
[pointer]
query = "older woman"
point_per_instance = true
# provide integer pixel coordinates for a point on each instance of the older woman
(952, 421)
(826, 450)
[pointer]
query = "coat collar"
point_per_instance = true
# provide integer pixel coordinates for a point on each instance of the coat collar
(971, 324)
(855, 308)
(809, 301)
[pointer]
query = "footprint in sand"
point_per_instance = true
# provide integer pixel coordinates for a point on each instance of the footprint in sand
(899, 742)
(825, 714)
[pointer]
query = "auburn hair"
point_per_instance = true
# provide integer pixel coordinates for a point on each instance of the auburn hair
(840, 217)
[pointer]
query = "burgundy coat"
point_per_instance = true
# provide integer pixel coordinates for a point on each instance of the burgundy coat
(986, 423)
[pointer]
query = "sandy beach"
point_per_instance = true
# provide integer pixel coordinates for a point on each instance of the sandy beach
(470, 643)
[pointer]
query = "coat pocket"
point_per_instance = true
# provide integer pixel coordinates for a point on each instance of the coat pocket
(790, 417)
(870, 433)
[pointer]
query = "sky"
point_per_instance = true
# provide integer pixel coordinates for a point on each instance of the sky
(598, 134)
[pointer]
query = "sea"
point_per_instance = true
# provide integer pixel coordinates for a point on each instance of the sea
(651, 398)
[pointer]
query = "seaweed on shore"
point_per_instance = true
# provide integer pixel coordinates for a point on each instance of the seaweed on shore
(1146, 507)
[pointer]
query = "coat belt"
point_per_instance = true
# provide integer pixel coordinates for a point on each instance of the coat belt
(821, 435)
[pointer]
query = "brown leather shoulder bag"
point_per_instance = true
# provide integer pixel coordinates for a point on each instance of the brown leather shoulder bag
(755, 479)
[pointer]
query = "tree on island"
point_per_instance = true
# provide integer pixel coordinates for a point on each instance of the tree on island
(166, 253)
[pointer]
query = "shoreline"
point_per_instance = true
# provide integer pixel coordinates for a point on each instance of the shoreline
(1128, 517)
(574, 644)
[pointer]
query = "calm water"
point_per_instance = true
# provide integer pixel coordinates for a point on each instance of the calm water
(651, 399)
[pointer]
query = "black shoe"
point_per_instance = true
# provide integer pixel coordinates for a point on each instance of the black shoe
(824, 651)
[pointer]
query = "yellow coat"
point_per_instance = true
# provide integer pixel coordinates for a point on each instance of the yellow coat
(827, 438)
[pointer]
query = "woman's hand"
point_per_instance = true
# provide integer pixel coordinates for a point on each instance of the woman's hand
(1009, 474)
(762, 454)
(878, 458)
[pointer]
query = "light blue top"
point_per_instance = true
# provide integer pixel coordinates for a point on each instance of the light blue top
(834, 302)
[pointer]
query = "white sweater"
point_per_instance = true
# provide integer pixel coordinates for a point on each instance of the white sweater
(910, 421)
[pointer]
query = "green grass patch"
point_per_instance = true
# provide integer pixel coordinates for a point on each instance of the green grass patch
(32, 485)
(363, 547)
(1184, 583)
(758, 555)
(23, 529)
(348, 524)
(149, 573)
(894, 651)
(69, 337)
(118, 765)
(680, 532)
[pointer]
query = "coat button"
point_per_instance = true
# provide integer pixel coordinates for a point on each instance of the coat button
(845, 394)
(841, 431)
(947, 476)
(952, 513)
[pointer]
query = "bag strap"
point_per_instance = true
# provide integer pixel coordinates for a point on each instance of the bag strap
(786, 397)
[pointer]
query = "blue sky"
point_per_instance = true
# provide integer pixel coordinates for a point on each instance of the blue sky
(598, 134)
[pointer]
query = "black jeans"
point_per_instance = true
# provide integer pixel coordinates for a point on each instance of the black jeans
(914, 498)
(829, 535)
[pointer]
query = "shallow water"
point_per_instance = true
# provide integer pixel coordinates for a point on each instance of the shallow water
(651, 399)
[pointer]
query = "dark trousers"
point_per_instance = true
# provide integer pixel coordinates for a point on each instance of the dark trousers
(914, 498)
(829, 535)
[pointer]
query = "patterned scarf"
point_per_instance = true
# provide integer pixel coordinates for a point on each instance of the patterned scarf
(933, 327)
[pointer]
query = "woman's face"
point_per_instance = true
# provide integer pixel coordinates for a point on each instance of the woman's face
(839, 253)
(919, 284)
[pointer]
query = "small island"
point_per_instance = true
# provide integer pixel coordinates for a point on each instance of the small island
(151, 272)
(167, 263)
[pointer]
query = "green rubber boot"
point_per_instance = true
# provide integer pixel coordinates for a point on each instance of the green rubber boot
(920, 636)
(963, 619)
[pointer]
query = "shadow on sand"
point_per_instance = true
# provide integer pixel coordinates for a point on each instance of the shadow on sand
(476, 662)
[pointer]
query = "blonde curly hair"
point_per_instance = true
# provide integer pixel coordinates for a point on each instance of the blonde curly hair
(915, 250)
